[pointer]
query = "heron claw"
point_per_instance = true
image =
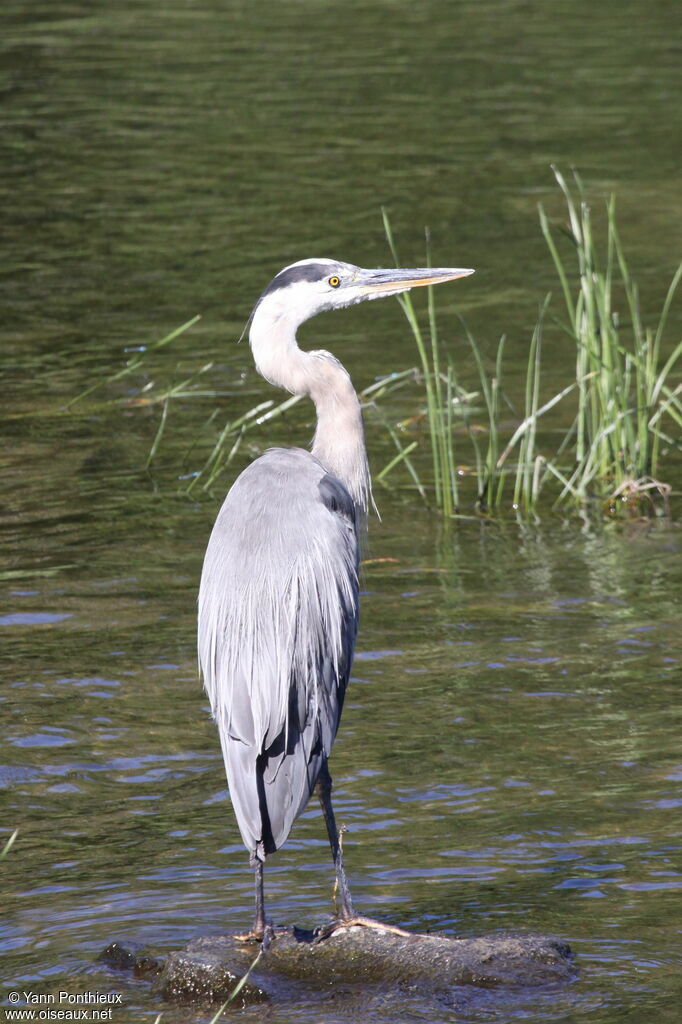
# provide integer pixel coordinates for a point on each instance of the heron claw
(264, 936)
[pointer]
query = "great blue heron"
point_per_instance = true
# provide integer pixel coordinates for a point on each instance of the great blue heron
(278, 604)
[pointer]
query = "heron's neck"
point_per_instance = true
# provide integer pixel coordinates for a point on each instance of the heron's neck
(339, 441)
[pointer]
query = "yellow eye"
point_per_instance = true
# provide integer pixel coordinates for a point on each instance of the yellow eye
(334, 281)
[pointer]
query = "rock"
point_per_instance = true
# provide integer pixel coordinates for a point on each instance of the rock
(296, 965)
(120, 958)
(209, 970)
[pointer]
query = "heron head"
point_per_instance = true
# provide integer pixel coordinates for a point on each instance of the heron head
(314, 285)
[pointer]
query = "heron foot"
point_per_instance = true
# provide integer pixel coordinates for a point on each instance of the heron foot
(357, 921)
(264, 935)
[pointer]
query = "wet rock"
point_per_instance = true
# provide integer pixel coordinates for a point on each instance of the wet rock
(296, 965)
(209, 971)
(122, 958)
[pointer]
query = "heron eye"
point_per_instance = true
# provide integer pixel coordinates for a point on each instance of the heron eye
(334, 281)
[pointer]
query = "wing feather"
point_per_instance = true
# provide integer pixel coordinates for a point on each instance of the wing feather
(278, 615)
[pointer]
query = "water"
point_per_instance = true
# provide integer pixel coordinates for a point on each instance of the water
(509, 755)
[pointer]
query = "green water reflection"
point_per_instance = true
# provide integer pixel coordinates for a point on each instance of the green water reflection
(509, 755)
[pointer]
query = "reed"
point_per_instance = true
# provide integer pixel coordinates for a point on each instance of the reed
(439, 389)
(625, 398)
(447, 402)
(490, 473)
(626, 406)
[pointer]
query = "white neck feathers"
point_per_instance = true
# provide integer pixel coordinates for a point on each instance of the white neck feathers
(339, 441)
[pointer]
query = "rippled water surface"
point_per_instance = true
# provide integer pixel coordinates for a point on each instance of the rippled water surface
(509, 756)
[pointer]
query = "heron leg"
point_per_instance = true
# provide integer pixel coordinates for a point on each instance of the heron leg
(323, 789)
(262, 930)
(260, 923)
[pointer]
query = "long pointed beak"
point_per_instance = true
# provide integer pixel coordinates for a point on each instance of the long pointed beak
(375, 283)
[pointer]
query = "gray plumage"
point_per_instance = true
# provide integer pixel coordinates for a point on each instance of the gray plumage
(278, 602)
(277, 685)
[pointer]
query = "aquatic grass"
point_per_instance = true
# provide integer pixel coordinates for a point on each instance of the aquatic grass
(624, 394)
(176, 391)
(439, 391)
(26, 574)
(445, 399)
(624, 397)
(527, 483)
(490, 475)
(403, 456)
(230, 439)
(135, 362)
(9, 844)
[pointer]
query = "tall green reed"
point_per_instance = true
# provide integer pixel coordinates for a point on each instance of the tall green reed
(448, 405)
(625, 397)
(626, 406)
(440, 390)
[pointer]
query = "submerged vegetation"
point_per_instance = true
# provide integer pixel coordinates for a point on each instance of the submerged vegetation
(623, 411)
